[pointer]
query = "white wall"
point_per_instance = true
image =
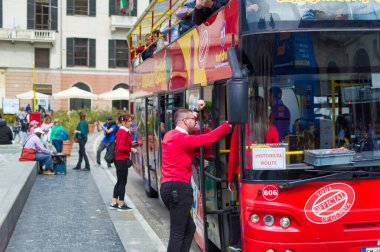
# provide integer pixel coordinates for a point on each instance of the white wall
(20, 55)
(14, 14)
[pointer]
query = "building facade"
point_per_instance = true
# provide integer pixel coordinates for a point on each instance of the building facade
(59, 44)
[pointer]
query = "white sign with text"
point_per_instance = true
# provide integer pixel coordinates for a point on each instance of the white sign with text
(268, 158)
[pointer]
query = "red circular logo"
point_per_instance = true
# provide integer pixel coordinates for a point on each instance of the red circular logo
(270, 192)
(330, 203)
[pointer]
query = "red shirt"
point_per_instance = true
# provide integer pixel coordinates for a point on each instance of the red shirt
(178, 150)
(272, 136)
(123, 143)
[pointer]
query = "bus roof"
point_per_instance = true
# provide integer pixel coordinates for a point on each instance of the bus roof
(154, 16)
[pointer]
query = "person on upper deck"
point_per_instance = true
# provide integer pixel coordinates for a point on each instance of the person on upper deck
(204, 9)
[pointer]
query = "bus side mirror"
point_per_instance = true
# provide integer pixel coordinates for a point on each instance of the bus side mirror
(237, 100)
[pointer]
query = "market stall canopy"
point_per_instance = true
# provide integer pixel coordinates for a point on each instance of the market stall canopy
(117, 94)
(30, 95)
(139, 94)
(75, 92)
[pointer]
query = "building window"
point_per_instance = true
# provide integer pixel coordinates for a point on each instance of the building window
(42, 15)
(81, 52)
(118, 53)
(81, 7)
(123, 7)
(76, 103)
(42, 57)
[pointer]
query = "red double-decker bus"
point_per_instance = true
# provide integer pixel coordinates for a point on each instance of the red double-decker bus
(308, 72)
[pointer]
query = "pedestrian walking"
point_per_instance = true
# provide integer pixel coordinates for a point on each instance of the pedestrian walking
(109, 129)
(178, 149)
(81, 134)
(122, 162)
(17, 129)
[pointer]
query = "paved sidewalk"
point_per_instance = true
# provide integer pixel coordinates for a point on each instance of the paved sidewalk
(70, 213)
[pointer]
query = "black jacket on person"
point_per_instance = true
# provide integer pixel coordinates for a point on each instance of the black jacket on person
(200, 15)
(6, 135)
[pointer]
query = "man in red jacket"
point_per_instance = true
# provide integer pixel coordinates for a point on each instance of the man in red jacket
(178, 148)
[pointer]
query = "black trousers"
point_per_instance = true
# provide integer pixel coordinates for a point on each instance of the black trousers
(82, 153)
(122, 176)
(182, 227)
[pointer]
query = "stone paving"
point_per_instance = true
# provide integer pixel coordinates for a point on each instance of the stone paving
(65, 213)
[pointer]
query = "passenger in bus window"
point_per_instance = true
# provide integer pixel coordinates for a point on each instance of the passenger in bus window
(176, 192)
(164, 30)
(376, 135)
(365, 11)
(259, 130)
(280, 114)
(326, 11)
(204, 9)
(256, 10)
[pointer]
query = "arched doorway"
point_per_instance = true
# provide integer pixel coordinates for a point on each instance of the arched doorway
(121, 104)
(76, 103)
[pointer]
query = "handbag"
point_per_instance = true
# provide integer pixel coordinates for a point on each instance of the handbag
(28, 155)
(75, 139)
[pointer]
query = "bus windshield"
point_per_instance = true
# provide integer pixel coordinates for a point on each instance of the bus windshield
(318, 94)
(297, 14)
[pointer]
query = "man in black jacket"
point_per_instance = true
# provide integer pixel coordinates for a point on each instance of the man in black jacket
(204, 9)
(6, 135)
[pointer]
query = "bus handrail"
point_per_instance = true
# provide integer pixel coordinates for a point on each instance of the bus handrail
(220, 180)
(249, 147)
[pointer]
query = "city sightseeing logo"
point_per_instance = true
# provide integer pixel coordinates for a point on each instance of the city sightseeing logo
(330, 203)
(203, 49)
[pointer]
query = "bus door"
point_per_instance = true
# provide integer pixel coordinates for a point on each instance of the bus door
(139, 135)
(212, 206)
(152, 141)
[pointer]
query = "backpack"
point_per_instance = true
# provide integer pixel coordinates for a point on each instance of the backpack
(110, 153)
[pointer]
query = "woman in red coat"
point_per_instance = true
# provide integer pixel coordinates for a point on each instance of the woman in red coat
(122, 162)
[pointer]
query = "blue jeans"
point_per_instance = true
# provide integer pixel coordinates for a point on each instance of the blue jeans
(58, 145)
(45, 159)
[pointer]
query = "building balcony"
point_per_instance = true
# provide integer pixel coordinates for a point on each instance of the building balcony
(122, 22)
(32, 36)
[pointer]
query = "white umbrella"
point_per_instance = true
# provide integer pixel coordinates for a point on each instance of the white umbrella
(138, 94)
(75, 92)
(30, 95)
(117, 94)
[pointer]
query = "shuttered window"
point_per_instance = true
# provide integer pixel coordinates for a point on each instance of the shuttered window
(30, 14)
(1, 13)
(116, 7)
(118, 53)
(42, 57)
(81, 7)
(54, 15)
(81, 52)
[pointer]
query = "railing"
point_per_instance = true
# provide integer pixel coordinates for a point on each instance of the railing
(27, 35)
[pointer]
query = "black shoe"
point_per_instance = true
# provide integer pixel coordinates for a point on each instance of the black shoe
(98, 162)
(86, 169)
(76, 168)
(123, 208)
(114, 207)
